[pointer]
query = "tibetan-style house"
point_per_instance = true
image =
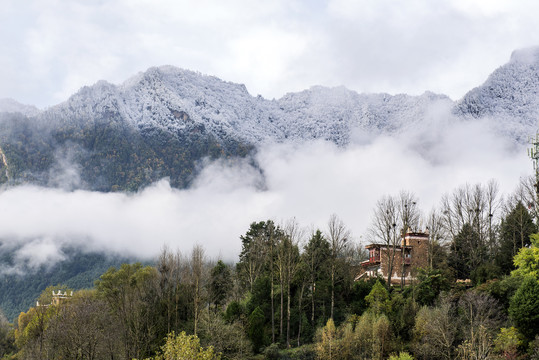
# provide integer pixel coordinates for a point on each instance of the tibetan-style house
(403, 259)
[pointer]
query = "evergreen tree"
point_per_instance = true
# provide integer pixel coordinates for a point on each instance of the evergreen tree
(515, 233)
(257, 247)
(378, 299)
(467, 252)
(258, 259)
(430, 283)
(220, 282)
(316, 256)
(255, 329)
(524, 307)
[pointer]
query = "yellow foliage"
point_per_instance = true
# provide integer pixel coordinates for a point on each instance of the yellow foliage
(185, 347)
(326, 347)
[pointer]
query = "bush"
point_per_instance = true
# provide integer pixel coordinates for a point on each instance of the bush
(272, 352)
(401, 356)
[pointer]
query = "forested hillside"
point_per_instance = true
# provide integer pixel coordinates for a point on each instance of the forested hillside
(21, 286)
(103, 153)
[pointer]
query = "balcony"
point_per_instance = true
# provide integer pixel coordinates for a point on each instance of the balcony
(371, 261)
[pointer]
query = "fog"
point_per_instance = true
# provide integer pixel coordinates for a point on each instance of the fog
(307, 181)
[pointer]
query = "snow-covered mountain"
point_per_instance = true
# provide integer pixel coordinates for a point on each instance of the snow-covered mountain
(175, 100)
(509, 97)
(161, 122)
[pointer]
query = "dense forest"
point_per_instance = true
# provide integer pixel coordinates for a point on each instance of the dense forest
(107, 153)
(293, 294)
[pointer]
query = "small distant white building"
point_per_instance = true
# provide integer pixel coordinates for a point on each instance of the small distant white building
(57, 298)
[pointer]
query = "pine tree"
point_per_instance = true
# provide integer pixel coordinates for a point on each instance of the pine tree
(515, 234)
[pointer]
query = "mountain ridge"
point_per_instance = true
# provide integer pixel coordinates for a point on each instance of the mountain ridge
(162, 122)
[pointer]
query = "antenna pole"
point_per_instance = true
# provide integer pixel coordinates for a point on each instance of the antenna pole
(533, 153)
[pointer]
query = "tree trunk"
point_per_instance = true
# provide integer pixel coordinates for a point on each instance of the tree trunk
(288, 313)
(332, 288)
(272, 294)
(299, 311)
(282, 311)
(312, 303)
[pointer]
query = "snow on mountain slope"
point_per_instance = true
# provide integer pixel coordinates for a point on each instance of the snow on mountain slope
(167, 96)
(182, 102)
(509, 97)
(335, 114)
(179, 101)
(170, 98)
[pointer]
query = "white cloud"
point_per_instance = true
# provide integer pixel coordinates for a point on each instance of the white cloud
(309, 182)
(33, 254)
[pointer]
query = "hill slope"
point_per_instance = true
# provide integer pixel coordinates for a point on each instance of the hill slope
(19, 290)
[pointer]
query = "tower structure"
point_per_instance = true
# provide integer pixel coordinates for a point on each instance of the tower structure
(533, 153)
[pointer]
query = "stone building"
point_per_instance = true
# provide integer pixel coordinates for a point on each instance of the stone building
(410, 255)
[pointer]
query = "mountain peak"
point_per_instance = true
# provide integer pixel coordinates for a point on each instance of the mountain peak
(509, 96)
(526, 56)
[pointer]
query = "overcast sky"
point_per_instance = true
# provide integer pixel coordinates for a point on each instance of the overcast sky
(51, 48)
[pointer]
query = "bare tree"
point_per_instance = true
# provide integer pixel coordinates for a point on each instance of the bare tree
(339, 238)
(198, 279)
(527, 194)
(393, 216)
(81, 329)
(481, 319)
(435, 227)
(384, 229)
(475, 205)
(435, 331)
(494, 206)
(169, 268)
(408, 211)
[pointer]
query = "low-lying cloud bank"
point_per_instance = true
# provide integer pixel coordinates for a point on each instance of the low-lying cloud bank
(309, 181)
